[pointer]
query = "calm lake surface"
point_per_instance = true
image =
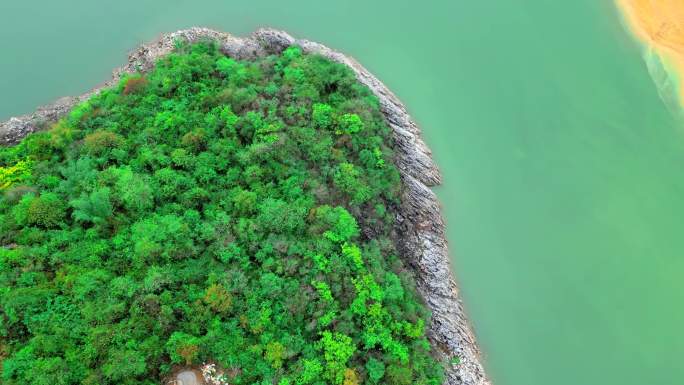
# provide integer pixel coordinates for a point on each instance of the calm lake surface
(563, 192)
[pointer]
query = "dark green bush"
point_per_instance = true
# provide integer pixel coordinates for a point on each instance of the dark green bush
(46, 210)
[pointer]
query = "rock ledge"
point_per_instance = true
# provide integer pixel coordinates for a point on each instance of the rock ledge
(422, 243)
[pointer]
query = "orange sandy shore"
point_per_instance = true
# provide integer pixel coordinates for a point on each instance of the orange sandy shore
(660, 25)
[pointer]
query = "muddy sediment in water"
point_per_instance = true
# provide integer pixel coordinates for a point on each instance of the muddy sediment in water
(659, 24)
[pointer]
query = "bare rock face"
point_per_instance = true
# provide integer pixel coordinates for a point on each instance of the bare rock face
(187, 377)
(420, 226)
(16, 128)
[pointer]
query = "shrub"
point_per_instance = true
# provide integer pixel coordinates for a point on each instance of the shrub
(218, 298)
(135, 84)
(132, 190)
(275, 354)
(322, 115)
(341, 226)
(47, 211)
(292, 53)
(399, 375)
(226, 65)
(183, 348)
(95, 207)
(101, 141)
(350, 377)
(124, 364)
(14, 194)
(181, 158)
(194, 140)
(19, 172)
(348, 178)
(349, 124)
(376, 370)
(337, 350)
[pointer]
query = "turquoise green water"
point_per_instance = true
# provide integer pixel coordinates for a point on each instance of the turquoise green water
(563, 190)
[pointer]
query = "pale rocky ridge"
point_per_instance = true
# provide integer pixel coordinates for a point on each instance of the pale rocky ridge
(422, 241)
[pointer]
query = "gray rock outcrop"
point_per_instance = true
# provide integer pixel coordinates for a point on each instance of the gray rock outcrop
(422, 242)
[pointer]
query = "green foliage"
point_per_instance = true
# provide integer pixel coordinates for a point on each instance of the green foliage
(337, 350)
(353, 254)
(414, 330)
(376, 370)
(275, 354)
(212, 209)
(349, 124)
(341, 226)
(182, 348)
(323, 291)
(133, 190)
(226, 65)
(14, 174)
(46, 210)
(95, 207)
(292, 53)
(101, 141)
(394, 291)
(348, 179)
(123, 364)
(218, 298)
(322, 115)
(311, 371)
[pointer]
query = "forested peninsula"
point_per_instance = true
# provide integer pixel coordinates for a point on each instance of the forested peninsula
(253, 208)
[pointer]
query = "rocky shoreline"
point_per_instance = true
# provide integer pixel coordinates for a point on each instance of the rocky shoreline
(422, 242)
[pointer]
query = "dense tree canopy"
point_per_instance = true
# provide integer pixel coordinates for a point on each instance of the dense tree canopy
(211, 210)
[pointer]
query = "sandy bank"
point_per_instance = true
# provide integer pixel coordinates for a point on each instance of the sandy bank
(659, 24)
